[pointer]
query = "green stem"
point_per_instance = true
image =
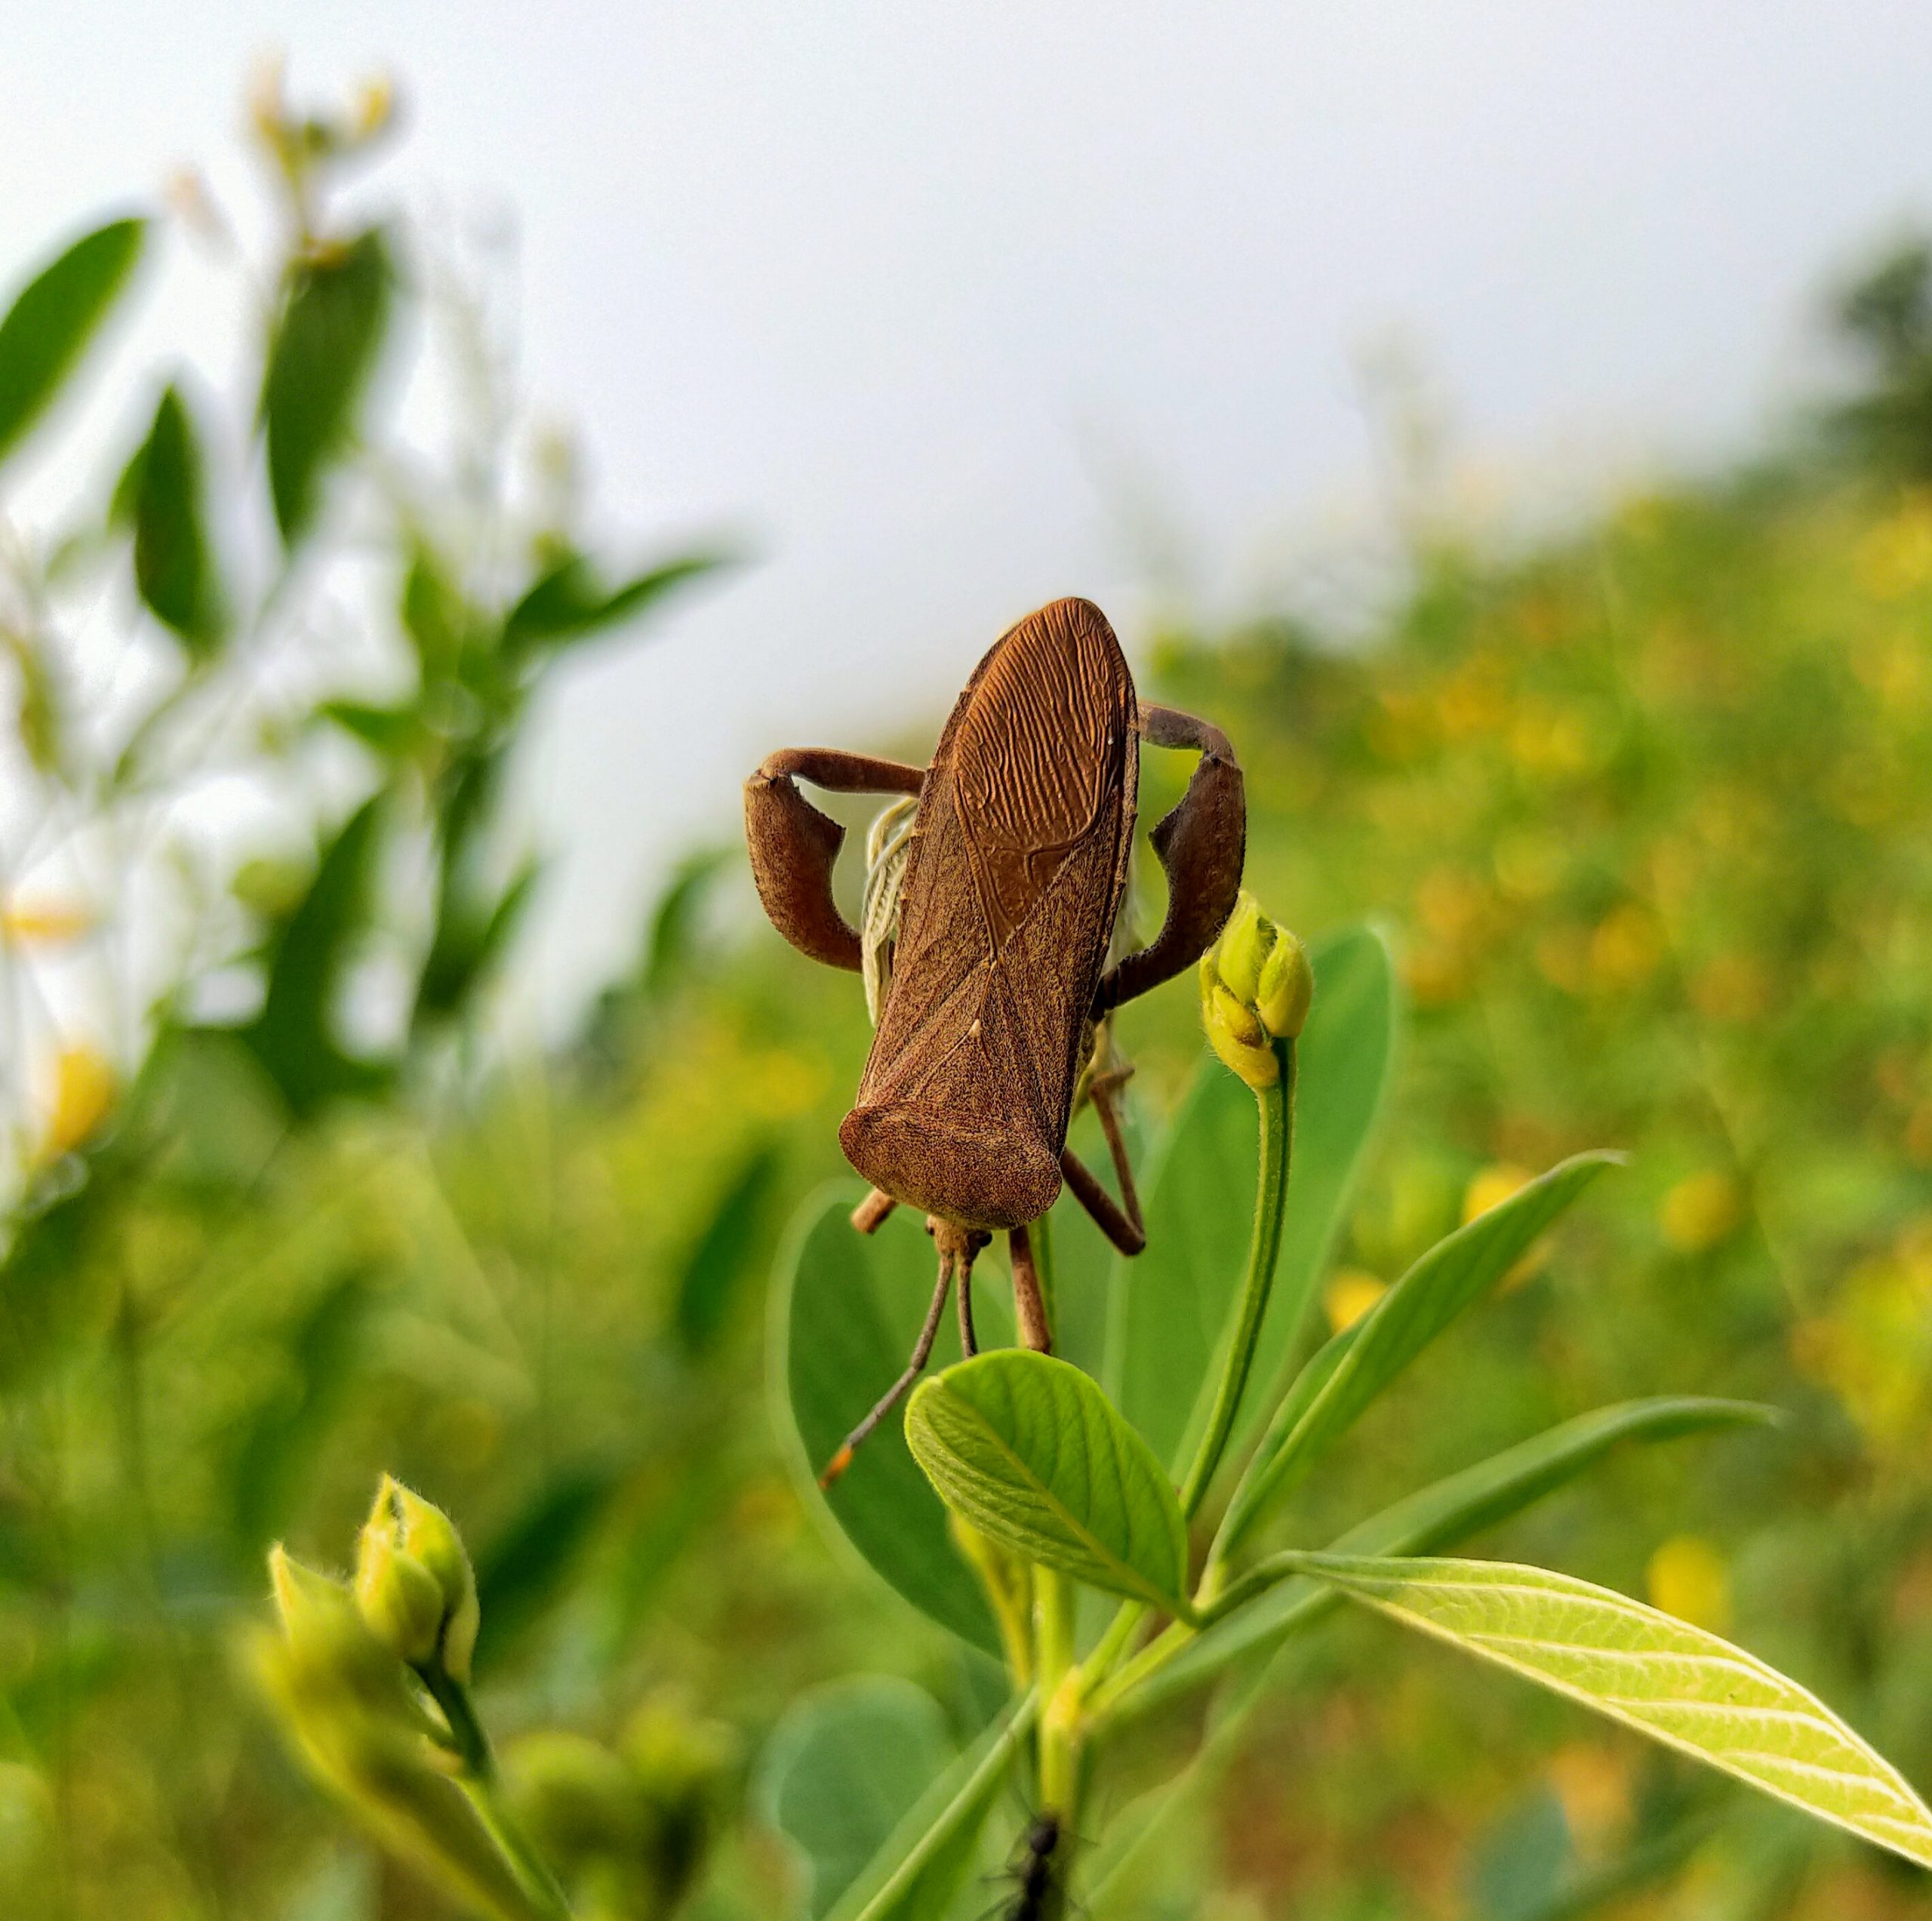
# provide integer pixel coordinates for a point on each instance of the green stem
(1276, 1104)
(1059, 1690)
(478, 1763)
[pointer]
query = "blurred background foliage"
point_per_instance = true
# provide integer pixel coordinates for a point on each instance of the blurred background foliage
(1644, 804)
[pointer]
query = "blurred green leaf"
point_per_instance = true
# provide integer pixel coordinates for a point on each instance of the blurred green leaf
(1352, 1369)
(845, 1308)
(523, 1571)
(1448, 1513)
(174, 568)
(1171, 1302)
(919, 1874)
(308, 951)
(326, 345)
(1678, 1684)
(669, 945)
(845, 1766)
(280, 1446)
(53, 318)
(470, 939)
(570, 603)
(390, 732)
(714, 1272)
(1031, 1451)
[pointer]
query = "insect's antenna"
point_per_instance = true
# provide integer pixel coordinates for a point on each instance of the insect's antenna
(921, 1349)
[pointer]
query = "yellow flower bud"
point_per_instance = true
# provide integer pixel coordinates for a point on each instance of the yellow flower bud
(1236, 1034)
(402, 1601)
(409, 1547)
(1245, 946)
(1286, 987)
(83, 1097)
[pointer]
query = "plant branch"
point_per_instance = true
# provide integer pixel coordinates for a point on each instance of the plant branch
(1276, 1104)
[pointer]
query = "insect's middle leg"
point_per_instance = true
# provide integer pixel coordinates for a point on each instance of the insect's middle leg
(1119, 1221)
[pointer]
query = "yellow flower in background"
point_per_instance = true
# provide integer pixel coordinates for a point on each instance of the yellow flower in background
(1701, 1210)
(1688, 1578)
(83, 1095)
(50, 923)
(1350, 1294)
(1490, 1187)
(1896, 557)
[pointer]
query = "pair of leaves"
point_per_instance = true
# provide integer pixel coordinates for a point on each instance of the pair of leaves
(53, 318)
(1175, 1305)
(1332, 1391)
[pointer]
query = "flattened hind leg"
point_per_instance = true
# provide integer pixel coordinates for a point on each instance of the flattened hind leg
(1201, 844)
(794, 846)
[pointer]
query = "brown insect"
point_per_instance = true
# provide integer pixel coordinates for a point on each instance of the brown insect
(993, 1026)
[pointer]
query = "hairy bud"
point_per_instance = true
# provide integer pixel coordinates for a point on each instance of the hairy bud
(413, 1582)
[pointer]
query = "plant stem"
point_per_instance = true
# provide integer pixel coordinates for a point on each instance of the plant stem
(478, 1763)
(1059, 1690)
(1276, 1104)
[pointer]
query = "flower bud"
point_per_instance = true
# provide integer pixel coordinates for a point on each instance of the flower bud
(1236, 1034)
(402, 1601)
(1244, 948)
(1255, 985)
(414, 1583)
(1286, 987)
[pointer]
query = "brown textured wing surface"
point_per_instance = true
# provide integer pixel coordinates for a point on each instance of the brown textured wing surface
(1011, 888)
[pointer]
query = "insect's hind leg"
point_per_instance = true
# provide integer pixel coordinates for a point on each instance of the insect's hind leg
(1201, 844)
(794, 847)
(1119, 1221)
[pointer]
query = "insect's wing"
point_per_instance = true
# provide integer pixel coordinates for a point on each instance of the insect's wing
(1012, 884)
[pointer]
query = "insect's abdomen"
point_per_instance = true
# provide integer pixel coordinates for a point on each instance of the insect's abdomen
(1011, 888)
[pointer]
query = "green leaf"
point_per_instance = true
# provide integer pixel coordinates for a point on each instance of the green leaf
(173, 567)
(845, 1308)
(1174, 1305)
(309, 950)
(1031, 1451)
(527, 1566)
(916, 1876)
(48, 329)
(845, 1765)
(709, 1284)
(325, 349)
(470, 939)
(570, 603)
(1448, 1513)
(1677, 1683)
(1353, 1368)
(390, 732)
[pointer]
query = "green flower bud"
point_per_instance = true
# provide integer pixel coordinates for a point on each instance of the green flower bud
(402, 1601)
(1286, 987)
(412, 1558)
(1244, 948)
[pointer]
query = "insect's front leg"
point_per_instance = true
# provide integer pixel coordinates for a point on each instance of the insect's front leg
(1202, 844)
(794, 846)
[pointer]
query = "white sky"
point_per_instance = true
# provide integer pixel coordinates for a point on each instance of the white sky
(921, 295)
